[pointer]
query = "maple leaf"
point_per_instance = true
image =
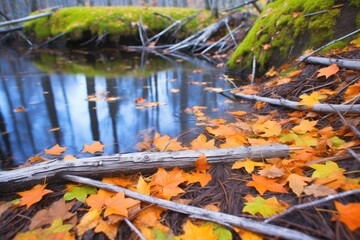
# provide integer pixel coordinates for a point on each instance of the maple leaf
(310, 100)
(305, 140)
(166, 183)
(97, 201)
(268, 128)
(322, 171)
(58, 209)
(294, 73)
(352, 91)
(119, 205)
(238, 113)
(202, 178)
(235, 140)
(272, 172)
(328, 71)
(69, 157)
(248, 235)
(55, 150)
(201, 143)
(265, 207)
(297, 183)
(247, 164)
(222, 131)
(78, 192)
(201, 164)
(304, 126)
(148, 219)
(263, 184)
(318, 190)
(194, 232)
(348, 214)
(140, 100)
(143, 187)
(88, 221)
(272, 72)
(110, 230)
(164, 143)
(33, 195)
(119, 181)
(94, 147)
(36, 158)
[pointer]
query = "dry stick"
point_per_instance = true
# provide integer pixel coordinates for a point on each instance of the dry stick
(326, 108)
(328, 44)
(354, 154)
(141, 32)
(21, 34)
(349, 64)
(310, 204)
(253, 70)
(230, 32)
(20, 20)
(52, 39)
(262, 228)
(333, 158)
(239, 6)
(165, 16)
(129, 223)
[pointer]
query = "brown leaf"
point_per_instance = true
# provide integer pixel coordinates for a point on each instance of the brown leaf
(272, 172)
(318, 190)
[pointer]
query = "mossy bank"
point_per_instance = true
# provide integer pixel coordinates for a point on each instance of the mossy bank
(118, 23)
(286, 28)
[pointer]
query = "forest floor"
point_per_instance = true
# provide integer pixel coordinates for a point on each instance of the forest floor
(325, 164)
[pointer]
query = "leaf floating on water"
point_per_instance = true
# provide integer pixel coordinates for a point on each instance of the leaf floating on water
(93, 147)
(55, 150)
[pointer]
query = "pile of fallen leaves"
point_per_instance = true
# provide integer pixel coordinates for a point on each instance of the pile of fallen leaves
(324, 161)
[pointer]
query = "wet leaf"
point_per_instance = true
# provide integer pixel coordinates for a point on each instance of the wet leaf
(328, 71)
(235, 140)
(33, 195)
(222, 131)
(238, 113)
(55, 150)
(78, 192)
(119, 205)
(93, 147)
(248, 164)
(263, 184)
(265, 207)
(36, 158)
(348, 214)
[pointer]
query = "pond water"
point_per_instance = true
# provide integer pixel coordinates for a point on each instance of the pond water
(72, 98)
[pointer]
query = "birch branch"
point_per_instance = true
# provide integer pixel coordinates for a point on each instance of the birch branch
(130, 163)
(349, 64)
(326, 108)
(25, 19)
(251, 225)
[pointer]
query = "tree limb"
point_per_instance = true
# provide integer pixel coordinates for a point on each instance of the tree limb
(349, 64)
(251, 225)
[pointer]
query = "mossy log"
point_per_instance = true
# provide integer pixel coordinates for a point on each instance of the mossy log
(284, 30)
(129, 163)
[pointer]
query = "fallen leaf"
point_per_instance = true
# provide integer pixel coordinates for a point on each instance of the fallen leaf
(97, 201)
(202, 178)
(268, 128)
(222, 131)
(318, 190)
(78, 192)
(272, 72)
(201, 164)
(201, 143)
(263, 184)
(352, 91)
(119, 205)
(143, 187)
(148, 219)
(55, 150)
(272, 172)
(164, 143)
(247, 235)
(326, 170)
(195, 232)
(294, 73)
(33, 195)
(348, 214)
(69, 157)
(297, 183)
(266, 46)
(166, 183)
(247, 164)
(89, 221)
(328, 71)
(36, 158)
(238, 113)
(19, 109)
(305, 126)
(110, 230)
(140, 100)
(265, 207)
(93, 147)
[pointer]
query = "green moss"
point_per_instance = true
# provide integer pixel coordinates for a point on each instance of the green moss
(355, 3)
(99, 20)
(337, 45)
(284, 25)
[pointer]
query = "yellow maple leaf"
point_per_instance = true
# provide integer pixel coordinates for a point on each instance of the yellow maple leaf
(348, 214)
(304, 126)
(143, 187)
(247, 164)
(328, 71)
(201, 143)
(88, 221)
(310, 100)
(195, 232)
(222, 131)
(164, 143)
(235, 140)
(269, 128)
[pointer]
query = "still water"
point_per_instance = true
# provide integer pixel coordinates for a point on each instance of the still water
(72, 98)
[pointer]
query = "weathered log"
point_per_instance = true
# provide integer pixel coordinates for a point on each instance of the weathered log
(325, 108)
(349, 64)
(130, 163)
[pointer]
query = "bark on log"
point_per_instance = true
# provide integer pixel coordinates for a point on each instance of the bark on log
(129, 163)
(349, 64)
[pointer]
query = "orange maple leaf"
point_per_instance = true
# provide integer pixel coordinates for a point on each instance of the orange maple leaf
(36, 158)
(55, 150)
(294, 73)
(222, 131)
(109, 229)
(235, 140)
(142, 186)
(201, 143)
(88, 221)
(348, 214)
(201, 164)
(166, 183)
(202, 178)
(150, 218)
(268, 128)
(304, 126)
(352, 91)
(328, 71)
(238, 113)
(94, 147)
(247, 164)
(33, 195)
(119, 205)
(164, 143)
(263, 184)
(97, 201)
(194, 232)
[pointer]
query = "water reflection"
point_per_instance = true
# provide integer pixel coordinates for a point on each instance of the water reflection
(76, 98)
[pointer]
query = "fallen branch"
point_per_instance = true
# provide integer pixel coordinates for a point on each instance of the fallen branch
(130, 163)
(25, 19)
(239, 6)
(248, 224)
(326, 108)
(52, 40)
(311, 204)
(349, 64)
(8, 30)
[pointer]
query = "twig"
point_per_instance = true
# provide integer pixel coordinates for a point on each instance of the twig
(266, 229)
(349, 64)
(253, 70)
(328, 44)
(239, 6)
(140, 235)
(310, 204)
(230, 32)
(333, 158)
(326, 108)
(52, 39)
(354, 154)
(165, 16)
